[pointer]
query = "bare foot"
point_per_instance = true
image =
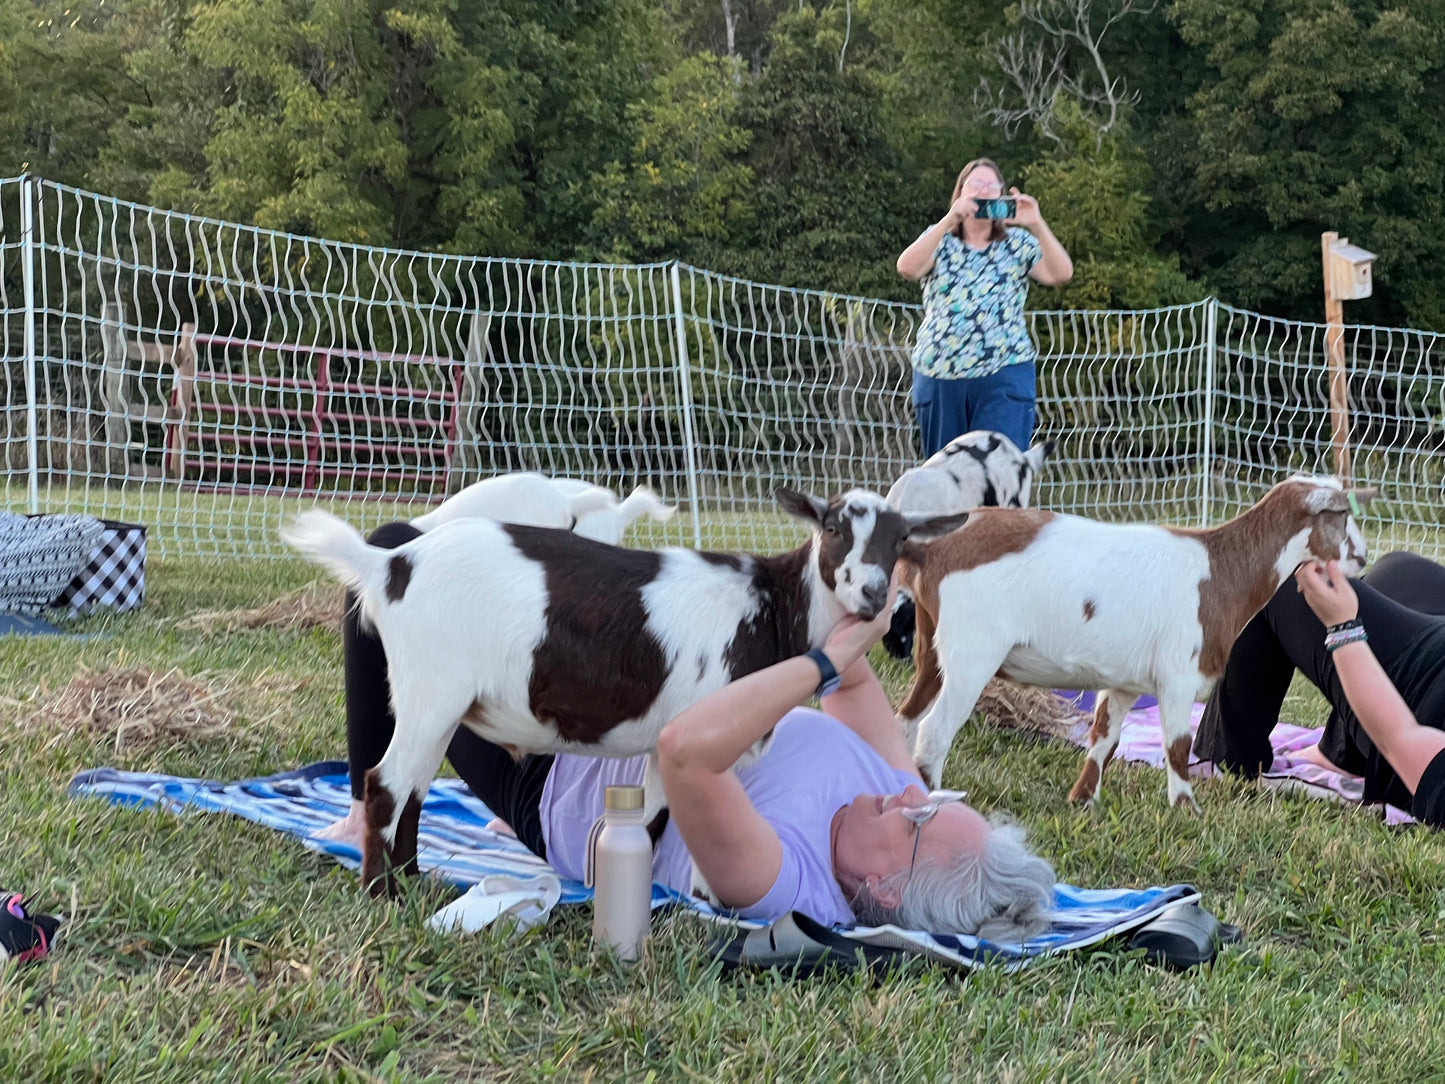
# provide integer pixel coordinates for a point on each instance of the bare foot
(501, 827)
(349, 829)
(1314, 756)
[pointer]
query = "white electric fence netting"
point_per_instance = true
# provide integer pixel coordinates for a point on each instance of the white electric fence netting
(208, 379)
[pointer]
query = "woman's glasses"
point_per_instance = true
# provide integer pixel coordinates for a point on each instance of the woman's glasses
(919, 815)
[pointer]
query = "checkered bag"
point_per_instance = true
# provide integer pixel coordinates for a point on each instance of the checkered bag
(115, 575)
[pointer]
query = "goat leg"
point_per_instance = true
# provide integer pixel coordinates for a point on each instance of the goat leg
(1109, 711)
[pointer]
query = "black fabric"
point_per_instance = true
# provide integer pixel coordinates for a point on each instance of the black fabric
(511, 788)
(1286, 636)
(1428, 806)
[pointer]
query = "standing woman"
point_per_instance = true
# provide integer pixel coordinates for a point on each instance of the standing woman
(973, 363)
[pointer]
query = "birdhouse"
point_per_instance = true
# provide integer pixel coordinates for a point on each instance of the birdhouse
(1349, 267)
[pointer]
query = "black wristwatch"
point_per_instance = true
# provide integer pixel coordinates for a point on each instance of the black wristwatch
(830, 678)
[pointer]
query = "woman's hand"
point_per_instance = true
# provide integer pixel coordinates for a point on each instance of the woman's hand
(1328, 592)
(962, 208)
(852, 638)
(1026, 212)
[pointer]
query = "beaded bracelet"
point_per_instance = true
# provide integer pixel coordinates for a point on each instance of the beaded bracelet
(1336, 640)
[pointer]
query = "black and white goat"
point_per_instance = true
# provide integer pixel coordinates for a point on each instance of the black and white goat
(981, 469)
(542, 641)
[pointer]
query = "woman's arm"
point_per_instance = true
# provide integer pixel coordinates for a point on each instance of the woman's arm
(863, 707)
(917, 259)
(1054, 267)
(1387, 719)
(736, 850)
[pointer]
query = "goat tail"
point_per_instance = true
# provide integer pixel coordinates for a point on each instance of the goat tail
(336, 546)
(595, 499)
(643, 502)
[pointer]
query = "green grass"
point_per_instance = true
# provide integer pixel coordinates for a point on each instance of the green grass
(205, 948)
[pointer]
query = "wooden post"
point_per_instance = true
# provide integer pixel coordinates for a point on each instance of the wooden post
(1339, 378)
(183, 360)
(465, 464)
(114, 351)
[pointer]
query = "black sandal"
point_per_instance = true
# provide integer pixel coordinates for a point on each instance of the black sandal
(24, 936)
(803, 947)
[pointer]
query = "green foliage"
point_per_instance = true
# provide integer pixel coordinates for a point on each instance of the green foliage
(684, 181)
(803, 143)
(1094, 198)
(1314, 115)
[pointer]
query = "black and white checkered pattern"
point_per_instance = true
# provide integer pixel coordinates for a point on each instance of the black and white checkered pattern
(39, 555)
(114, 577)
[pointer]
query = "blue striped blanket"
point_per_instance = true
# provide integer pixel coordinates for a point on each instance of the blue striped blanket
(455, 845)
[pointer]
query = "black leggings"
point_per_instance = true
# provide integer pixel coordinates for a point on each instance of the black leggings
(511, 788)
(1401, 596)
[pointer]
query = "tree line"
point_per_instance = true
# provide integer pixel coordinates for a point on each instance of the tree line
(1178, 147)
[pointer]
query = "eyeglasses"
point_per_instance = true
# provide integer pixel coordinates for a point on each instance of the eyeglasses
(919, 815)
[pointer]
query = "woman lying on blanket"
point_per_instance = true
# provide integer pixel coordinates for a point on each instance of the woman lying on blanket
(833, 820)
(1381, 665)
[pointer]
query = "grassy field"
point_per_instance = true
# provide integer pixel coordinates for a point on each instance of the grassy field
(208, 949)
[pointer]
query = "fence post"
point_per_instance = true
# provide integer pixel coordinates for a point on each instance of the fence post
(1211, 326)
(684, 380)
(27, 247)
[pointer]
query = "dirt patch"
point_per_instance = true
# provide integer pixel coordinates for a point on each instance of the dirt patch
(317, 605)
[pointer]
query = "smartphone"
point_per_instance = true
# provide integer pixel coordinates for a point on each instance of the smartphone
(996, 208)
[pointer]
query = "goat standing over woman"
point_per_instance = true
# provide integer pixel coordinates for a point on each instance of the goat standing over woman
(540, 641)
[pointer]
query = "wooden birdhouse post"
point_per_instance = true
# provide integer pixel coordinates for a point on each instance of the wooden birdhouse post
(1347, 278)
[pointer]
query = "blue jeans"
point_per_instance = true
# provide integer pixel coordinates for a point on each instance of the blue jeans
(1002, 401)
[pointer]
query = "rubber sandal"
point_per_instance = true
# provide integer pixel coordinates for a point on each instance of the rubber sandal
(1184, 936)
(24, 936)
(802, 946)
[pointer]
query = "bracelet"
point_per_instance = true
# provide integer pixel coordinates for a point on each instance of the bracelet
(1336, 640)
(1352, 623)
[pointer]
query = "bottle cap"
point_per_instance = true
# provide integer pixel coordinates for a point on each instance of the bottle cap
(623, 798)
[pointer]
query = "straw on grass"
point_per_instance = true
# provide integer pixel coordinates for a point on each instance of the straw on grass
(1022, 707)
(317, 605)
(137, 706)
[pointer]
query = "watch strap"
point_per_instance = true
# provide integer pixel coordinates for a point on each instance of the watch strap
(829, 679)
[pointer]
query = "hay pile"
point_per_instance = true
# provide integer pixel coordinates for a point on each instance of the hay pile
(136, 707)
(317, 605)
(1021, 707)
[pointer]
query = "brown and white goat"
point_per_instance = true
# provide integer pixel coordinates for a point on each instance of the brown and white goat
(1063, 602)
(544, 642)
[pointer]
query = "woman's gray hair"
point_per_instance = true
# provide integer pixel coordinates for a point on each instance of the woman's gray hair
(1003, 894)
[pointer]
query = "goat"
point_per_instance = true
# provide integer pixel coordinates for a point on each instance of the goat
(528, 497)
(981, 469)
(1059, 601)
(541, 641)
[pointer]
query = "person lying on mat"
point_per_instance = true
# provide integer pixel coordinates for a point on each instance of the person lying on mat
(833, 820)
(1375, 647)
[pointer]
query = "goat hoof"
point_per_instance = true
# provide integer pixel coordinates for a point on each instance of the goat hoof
(1187, 803)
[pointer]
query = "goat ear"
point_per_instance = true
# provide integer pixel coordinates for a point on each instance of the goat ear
(926, 525)
(801, 505)
(1036, 455)
(1366, 495)
(1326, 499)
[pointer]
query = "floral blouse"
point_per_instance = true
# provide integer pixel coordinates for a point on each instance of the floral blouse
(973, 307)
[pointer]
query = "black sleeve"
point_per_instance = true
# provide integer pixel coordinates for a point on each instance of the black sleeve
(1429, 804)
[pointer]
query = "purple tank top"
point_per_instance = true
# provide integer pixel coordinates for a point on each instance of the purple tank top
(813, 768)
